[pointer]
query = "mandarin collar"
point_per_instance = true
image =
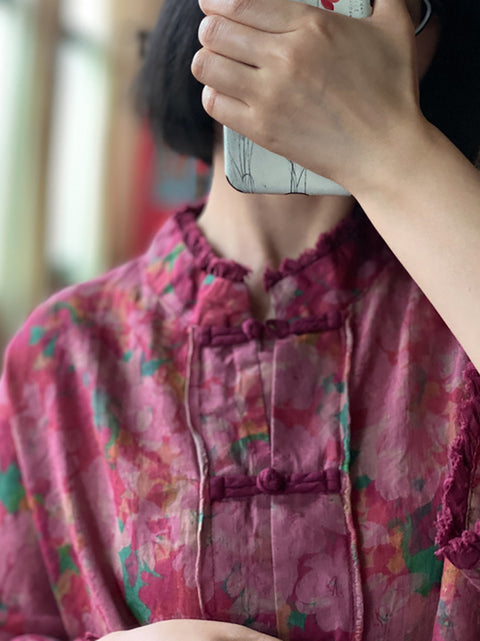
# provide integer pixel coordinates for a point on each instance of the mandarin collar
(210, 290)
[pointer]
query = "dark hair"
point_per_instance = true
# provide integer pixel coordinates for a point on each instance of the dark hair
(450, 91)
(165, 91)
(169, 96)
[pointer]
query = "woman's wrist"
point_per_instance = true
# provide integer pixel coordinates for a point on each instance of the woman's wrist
(400, 163)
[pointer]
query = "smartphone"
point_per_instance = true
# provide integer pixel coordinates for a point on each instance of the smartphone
(250, 168)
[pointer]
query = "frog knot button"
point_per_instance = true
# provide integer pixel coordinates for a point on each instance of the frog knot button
(269, 481)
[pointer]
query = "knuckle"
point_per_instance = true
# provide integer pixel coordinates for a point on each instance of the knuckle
(289, 57)
(320, 26)
(240, 7)
(291, 61)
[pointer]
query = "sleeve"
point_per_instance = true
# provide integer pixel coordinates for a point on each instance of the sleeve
(28, 609)
(458, 524)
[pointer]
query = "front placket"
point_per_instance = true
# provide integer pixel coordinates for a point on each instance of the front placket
(276, 543)
(227, 419)
(316, 574)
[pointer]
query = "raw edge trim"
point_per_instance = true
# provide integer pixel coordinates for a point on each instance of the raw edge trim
(347, 229)
(460, 546)
(352, 227)
(201, 250)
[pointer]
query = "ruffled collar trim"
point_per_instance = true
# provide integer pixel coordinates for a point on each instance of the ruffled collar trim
(202, 288)
(355, 227)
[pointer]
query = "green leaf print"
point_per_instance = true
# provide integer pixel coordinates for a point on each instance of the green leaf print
(73, 312)
(104, 417)
(362, 482)
(36, 335)
(49, 350)
(66, 560)
(11, 489)
(238, 449)
(168, 290)
(297, 619)
(424, 561)
(148, 368)
(173, 255)
(139, 609)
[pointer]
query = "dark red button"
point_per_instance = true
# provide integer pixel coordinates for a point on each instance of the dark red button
(253, 329)
(269, 481)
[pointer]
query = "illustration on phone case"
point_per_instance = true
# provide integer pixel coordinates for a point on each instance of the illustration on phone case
(298, 183)
(240, 156)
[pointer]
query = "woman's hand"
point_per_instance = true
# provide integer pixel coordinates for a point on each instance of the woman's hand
(330, 92)
(189, 630)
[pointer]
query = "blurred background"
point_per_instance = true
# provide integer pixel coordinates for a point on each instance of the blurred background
(82, 186)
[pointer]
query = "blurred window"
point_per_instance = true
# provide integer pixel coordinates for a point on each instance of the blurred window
(70, 170)
(89, 19)
(7, 38)
(14, 39)
(19, 152)
(76, 199)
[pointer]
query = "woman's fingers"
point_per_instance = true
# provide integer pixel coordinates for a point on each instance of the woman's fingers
(229, 77)
(231, 112)
(272, 17)
(233, 40)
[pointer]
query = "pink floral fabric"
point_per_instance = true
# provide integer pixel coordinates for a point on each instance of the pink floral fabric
(164, 455)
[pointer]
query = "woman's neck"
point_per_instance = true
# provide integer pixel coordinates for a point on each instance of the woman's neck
(261, 229)
(257, 230)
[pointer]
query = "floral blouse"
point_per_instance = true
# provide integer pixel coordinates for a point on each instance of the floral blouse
(165, 455)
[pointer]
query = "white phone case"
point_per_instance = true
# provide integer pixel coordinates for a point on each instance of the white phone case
(250, 168)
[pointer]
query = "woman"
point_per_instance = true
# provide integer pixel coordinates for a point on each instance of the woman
(167, 453)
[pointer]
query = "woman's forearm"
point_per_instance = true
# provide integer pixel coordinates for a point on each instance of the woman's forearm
(425, 202)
